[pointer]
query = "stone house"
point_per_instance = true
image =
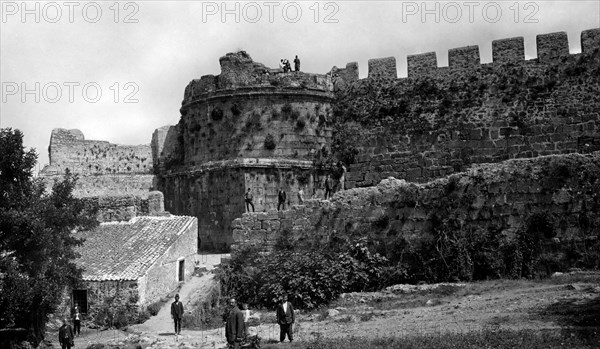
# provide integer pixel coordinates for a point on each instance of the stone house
(147, 257)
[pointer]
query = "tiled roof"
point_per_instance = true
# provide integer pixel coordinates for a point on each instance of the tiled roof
(125, 250)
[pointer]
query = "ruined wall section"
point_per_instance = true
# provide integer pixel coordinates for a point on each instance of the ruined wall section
(69, 149)
(166, 147)
(122, 208)
(498, 198)
(341, 77)
(103, 168)
(441, 120)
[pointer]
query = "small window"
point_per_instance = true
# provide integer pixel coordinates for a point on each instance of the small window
(181, 270)
(80, 299)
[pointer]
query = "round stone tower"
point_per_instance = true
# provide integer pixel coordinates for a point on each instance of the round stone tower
(249, 127)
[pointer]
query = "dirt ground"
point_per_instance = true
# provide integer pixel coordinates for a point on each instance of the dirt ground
(566, 301)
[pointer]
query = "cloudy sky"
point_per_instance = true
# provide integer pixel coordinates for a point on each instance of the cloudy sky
(117, 70)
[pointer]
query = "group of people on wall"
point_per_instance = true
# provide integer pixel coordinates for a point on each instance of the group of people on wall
(329, 187)
(285, 65)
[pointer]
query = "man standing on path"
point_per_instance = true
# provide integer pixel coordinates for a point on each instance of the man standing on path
(285, 319)
(65, 335)
(234, 327)
(76, 321)
(177, 314)
(248, 197)
(281, 197)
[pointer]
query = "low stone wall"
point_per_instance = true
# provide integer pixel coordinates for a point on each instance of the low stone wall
(123, 208)
(490, 197)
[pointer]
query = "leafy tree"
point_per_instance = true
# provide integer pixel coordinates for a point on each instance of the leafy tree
(36, 242)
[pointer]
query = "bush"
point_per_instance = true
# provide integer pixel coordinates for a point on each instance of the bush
(236, 110)
(216, 114)
(310, 278)
(300, 123)
(154, 308)
(286, 110)
(270, 142)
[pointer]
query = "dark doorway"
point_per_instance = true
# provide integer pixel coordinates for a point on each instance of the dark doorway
(181, 270)
(80, 299)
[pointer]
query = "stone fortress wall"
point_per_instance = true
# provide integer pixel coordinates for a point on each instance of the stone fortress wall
(259, 128)
(440, 120)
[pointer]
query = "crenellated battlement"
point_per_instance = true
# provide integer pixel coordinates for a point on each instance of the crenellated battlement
(508, 50)
(422, 64)
(550, 47)
(464, 57)
(382, 68)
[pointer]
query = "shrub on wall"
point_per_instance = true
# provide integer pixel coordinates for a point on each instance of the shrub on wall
(216, 114)
(236, 110)
(300, 124)
(270, 142)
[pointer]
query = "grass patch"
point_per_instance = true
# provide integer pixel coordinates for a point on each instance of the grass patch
(575, 312)
(503, 339)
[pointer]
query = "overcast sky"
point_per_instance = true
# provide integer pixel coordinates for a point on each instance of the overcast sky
(145, 52)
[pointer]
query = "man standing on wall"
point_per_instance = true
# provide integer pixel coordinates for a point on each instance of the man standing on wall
(248, 197)
(177, 313)
(285, 319)
(234, 327)
(65, 335)
(297, 63)
(328, 187)
(281, 197)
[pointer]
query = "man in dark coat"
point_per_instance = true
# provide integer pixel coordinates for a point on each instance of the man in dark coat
(285, 319)
(177, 313)
(234, 327)
(328, 187)
(65, 335)
(281, 197)
(297, 63)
